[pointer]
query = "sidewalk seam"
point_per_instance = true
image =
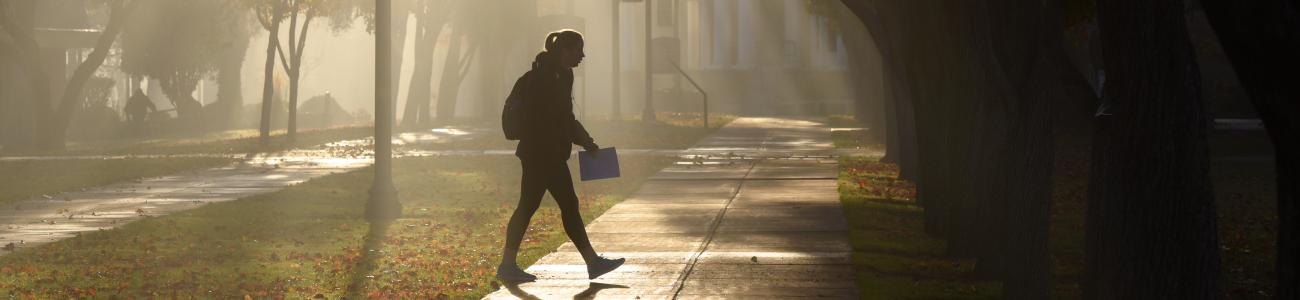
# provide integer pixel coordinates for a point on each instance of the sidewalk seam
(680, 283)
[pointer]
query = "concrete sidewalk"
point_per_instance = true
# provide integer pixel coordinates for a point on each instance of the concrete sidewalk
(763, 221)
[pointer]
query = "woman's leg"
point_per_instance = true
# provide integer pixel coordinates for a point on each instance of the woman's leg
(531, 188)
(560, 184)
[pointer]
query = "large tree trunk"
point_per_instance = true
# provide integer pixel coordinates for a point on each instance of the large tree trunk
(1262, 40)
(16, 20)
(943, 113)
(1028, 204)
(900, 138)
(1151, 212)
(868, 105)
(1032, 157)
(230, 84)
(909, 155)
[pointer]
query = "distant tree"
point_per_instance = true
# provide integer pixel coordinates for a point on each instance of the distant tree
(401, 11)
(230, 97)
(460, 55)
(177, 44)
(52, 121)
(430, 18)
(269, 14)
(300, 12)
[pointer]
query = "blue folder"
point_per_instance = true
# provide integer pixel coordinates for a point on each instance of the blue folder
(603, 165)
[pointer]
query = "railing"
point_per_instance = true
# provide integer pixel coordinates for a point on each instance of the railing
(697, 87)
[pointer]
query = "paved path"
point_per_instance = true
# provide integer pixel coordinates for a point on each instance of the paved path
(762, 222)
(41, 220)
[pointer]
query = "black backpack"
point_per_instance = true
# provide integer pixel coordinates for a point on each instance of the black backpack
(514, 112)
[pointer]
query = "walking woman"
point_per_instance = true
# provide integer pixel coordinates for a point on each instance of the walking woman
(549, 131)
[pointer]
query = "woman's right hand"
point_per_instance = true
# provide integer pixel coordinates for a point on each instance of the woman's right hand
(591, 148)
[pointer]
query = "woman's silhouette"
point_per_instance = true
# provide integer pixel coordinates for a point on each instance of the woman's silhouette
(544, 145)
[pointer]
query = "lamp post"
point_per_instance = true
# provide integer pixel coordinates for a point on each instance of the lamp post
(616, 112)
(648, 113)
(383, 205)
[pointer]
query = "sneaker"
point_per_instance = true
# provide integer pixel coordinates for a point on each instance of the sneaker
(512, 273)
(601, 266)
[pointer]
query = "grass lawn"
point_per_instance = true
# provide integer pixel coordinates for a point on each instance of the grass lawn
(220, 142)
(841, 121)
(28, 178)
(308, 239)
(853, 139)
(670, 131)
(896, 259)
(234, 141)
(892, 255)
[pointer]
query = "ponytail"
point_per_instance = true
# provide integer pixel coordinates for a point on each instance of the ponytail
(550, 41)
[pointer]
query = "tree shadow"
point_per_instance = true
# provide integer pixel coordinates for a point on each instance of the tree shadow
(371, 252)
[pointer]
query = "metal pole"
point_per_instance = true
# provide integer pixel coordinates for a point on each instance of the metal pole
(616, 110)
(698, 88)
(383, 205)
(648, 113)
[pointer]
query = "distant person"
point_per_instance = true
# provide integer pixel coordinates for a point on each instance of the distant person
(549, 126)
(187, 108)
(137, 109)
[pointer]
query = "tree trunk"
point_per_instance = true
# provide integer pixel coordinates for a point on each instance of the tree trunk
(867, 101)
(942, 113)
(401, 13)
(292, 69)
(453, 73)
(230, 84)
(1032, 141)
(898, 99)
(419, 90)
(16, 20)
(1262, 39)
(291, 132)
(890, 107)
(268, 77)
(1026, 258)
(56, 136)
(1151, 213)
(909, 155)
(1028, 203)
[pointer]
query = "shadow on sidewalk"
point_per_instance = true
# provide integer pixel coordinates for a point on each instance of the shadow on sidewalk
(589, 293)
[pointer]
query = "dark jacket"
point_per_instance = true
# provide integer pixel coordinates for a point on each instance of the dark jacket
(550, 127)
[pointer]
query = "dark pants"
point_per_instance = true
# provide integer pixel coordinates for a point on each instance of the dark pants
(541, 175)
